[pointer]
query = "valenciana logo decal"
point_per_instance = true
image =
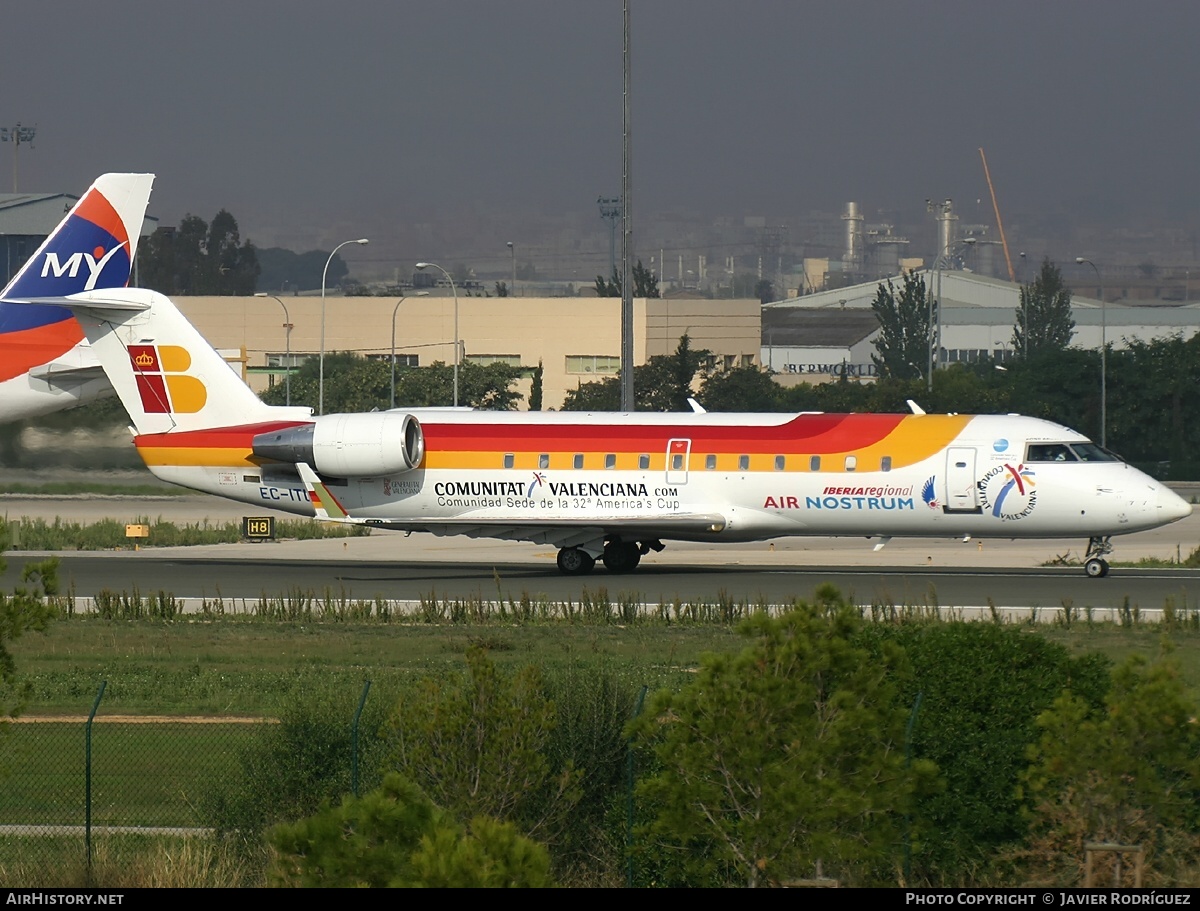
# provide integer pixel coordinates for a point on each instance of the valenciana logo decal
(1008, 493)
(538, 480)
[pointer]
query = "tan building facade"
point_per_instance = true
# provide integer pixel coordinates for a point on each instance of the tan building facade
(577, 340)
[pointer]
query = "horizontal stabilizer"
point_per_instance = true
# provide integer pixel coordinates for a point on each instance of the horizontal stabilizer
(110, 299)
(59, 373)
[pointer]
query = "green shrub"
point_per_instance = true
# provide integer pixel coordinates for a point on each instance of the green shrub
(295, 764)
(395, 836)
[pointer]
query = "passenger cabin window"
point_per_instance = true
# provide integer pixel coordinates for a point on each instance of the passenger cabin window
(610, 461)
(710, 462)
(780, 462)
(743, 463)
(814, 463)
(677, 461)
(885, 463)
(1050, 452)
(544, 460)
(508, 460)
(851, 463)
(643, 461)
(578, 463)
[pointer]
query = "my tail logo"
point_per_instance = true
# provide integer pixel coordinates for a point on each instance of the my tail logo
(162, 381)
(96, 261)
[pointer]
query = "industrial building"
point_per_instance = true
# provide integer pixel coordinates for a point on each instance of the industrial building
(832, 333)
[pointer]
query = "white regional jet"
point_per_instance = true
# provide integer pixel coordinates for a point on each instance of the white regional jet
(608, 486)
(45, 365)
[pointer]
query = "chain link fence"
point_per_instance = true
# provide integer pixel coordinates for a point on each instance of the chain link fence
(73, 786)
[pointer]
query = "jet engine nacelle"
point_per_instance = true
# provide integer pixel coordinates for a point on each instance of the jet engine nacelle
(349, 445)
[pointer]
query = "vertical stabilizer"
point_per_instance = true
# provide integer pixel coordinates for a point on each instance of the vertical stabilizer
(92, 248)
(169, 378)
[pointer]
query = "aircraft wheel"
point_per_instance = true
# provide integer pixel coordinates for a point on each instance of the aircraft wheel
(575, 562)
(621, 556)
(1096, 568)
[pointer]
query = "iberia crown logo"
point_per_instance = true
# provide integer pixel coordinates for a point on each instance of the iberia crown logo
(162, 381)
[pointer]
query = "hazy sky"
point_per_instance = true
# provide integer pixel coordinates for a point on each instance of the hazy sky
(329, 115)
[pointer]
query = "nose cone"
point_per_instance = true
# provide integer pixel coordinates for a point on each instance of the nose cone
(1171, 507)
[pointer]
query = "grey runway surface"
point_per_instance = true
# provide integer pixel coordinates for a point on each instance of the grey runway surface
(395, 567)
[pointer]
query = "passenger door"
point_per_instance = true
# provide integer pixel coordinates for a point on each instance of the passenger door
(961, 493)
(678, 453)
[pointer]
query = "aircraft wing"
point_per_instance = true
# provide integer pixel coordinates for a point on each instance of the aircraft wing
(564, 532)
(584, 531)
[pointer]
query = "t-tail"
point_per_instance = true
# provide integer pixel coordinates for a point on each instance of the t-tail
(43, 364)
(168, 377)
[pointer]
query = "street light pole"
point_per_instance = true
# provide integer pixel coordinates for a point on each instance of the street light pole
(935, 341)
(394, 309)
(1081, 260)
(454, 291)
(321, 365)
(287, 325)
(512, 251)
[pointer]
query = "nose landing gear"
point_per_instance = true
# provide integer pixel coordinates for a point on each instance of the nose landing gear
(1094, 563)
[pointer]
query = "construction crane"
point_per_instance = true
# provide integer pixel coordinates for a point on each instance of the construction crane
(1012, 276)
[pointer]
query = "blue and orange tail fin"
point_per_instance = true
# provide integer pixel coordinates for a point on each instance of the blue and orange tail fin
(92, 248)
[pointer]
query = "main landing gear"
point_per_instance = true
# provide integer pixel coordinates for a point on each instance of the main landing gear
(619, 557)
(1094, 563)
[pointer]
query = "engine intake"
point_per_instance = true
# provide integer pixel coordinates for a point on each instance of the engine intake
(349, 445)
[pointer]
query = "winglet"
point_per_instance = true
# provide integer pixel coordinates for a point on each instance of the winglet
(324, 503)
(914, 407)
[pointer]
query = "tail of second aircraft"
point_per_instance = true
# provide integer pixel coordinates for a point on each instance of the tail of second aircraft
(92, 248)
(168, 377)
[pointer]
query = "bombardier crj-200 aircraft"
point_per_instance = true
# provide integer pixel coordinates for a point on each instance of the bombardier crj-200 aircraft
(45, 364)
(609, 486)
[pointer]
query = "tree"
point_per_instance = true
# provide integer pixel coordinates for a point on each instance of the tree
(477, 746)
(764, 290)
(395, 836)
(783, 759)
(501, 289)
(1044, 321)
(285, 270)
(905, 328)
(645, 283)
(746, 388)
(286, 770)
(354, 383)
(24, 610)
(1127, 773)
(664, 383)
(199, 258)
(535, 388)
(982, 687)
(609, 289)
(600, 395)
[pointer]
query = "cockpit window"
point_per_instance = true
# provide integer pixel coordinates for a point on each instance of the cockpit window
(1050, 452)
(1090, 452)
